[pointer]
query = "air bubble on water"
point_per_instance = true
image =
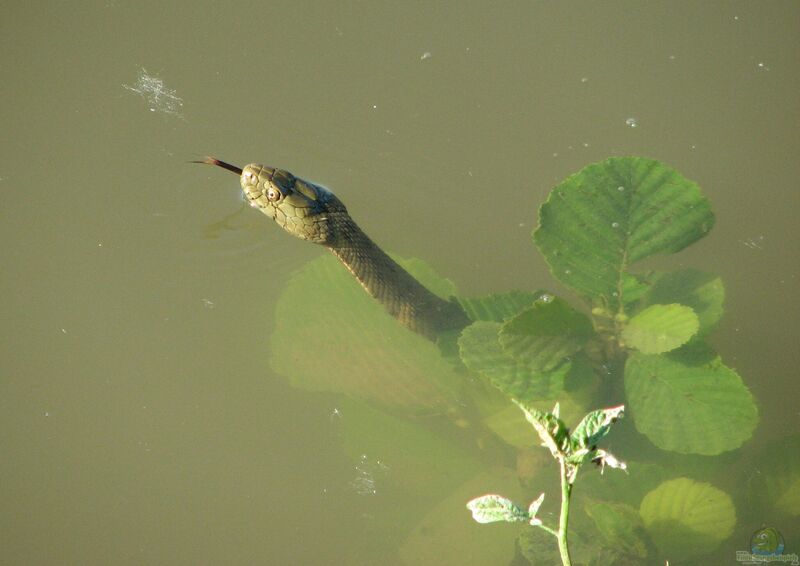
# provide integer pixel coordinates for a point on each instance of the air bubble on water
(366, 475)
(615, 224)
(425, 56)
(546, 298)
(631, 122)
(762, 66)
(620, 188)
(159, 98)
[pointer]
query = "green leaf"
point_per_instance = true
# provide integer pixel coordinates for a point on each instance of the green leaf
(660, 328)
(492, 508)
(533, 508)
(545, 333)
(330, 335)
(482, 353)
(689, 403)
(611, 214)
(620, 525)
(594, 426)
(773, 477)
(498, 307)
(510, 424)
(686, 518)
(552, 430)
(703, 292)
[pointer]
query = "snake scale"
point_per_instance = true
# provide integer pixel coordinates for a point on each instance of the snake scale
(312, 212)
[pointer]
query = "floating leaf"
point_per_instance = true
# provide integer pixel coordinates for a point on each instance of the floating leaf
(686, 518)
(703, 292)
(660, 328)
(620, 525)
(611, 214)
(544, 334)
(498, 307)
(482, 353)
(331, 336)
(492, 508)
(686, 403)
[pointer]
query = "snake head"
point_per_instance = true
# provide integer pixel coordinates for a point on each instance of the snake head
(303, 209)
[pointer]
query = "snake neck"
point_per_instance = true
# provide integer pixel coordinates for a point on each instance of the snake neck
(404, 297)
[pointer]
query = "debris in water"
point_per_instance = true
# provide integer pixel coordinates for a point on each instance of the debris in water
(754, 243)
(366, 471)
(156, 94)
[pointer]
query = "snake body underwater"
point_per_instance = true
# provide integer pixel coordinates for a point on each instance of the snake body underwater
(312, 212)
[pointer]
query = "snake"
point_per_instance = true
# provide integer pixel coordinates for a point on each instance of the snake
(314, 213)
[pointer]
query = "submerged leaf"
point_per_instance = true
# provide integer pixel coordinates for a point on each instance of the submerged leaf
(620, 525)
(660, 328)
(331, 336)
(612, 214)
(686, 402)
(492, 508)
(703, 292)
(544, 334)
(498, 307)
(686, 518)
(482, 353)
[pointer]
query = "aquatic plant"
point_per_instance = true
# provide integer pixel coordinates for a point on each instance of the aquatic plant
(571, 450)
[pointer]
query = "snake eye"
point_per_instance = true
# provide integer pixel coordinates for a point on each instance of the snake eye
(273, 194)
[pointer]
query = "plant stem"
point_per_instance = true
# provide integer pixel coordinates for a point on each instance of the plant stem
(566, 491)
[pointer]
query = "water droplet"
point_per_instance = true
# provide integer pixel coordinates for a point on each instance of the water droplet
(620, 188)
(631, 122)
(615, 224)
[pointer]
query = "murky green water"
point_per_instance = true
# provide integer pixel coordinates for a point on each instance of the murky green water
(140, 419)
